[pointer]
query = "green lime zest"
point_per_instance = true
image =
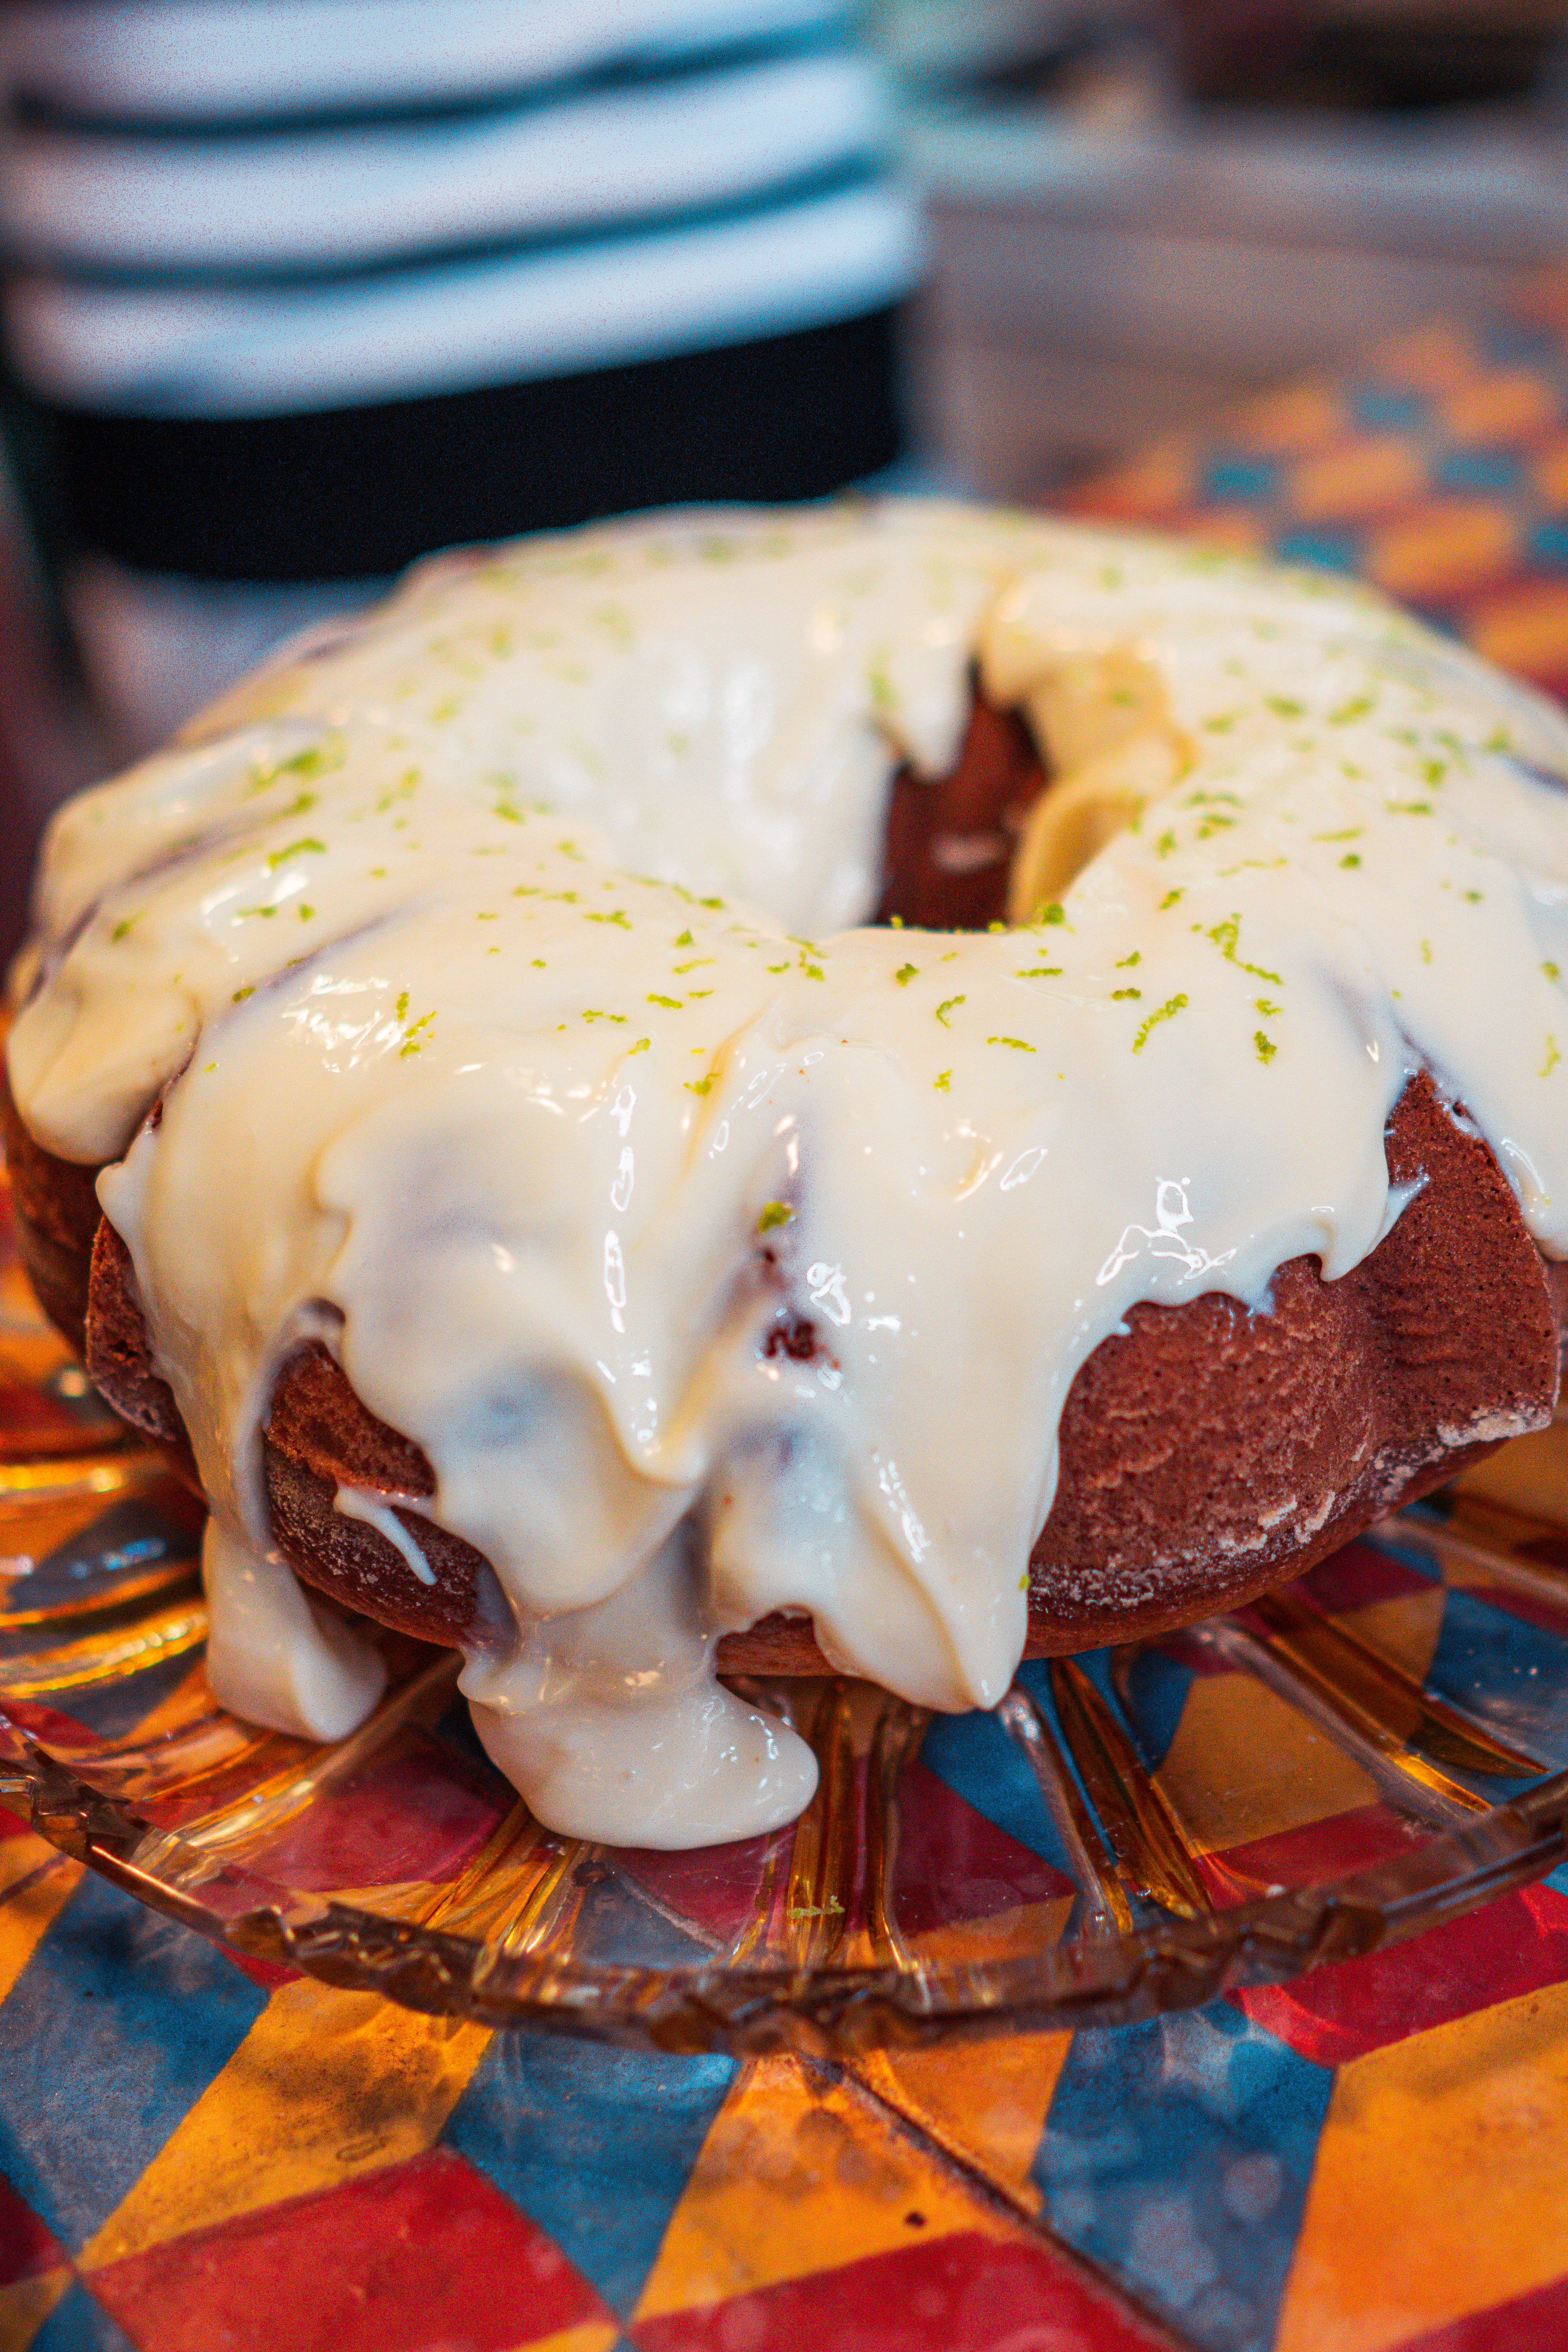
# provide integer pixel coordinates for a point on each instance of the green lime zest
(1166, 1012)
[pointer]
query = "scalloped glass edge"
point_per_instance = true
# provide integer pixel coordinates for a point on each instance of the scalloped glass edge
(1111, 1979)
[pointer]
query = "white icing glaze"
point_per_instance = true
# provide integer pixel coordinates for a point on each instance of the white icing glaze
(611, 1715)
(272, 1655)
(492, 966)
(376, 1512)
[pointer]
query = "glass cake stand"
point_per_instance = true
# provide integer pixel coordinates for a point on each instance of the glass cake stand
(1368, 1752)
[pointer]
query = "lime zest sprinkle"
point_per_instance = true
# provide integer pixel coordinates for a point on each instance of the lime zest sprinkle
(775, 1213)
(905, 974)
(296, 849)
(1040, 971)
(941, 1081)
(1169, 899)
(240, 994)
(1128, 961)
(671, 1004)
(700, 1086)
(313, 761)
(640, 1048)
(1267, 1048)
(1117, 995)
(1552, 1056)
(605, 1017)
(1166, 1012)
(1019, 1044)
(1225, 936)
(949, 1005)
(413, 1040)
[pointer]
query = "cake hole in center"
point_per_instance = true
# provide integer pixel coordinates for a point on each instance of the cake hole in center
(949, 841)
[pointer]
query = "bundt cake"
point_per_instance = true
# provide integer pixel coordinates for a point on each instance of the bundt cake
(874, 1088)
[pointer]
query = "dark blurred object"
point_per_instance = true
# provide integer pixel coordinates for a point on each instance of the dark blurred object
(1046, 49)
(951, 49)
(47, 742)
(1374, 55)
(304, 496)
(16, 828)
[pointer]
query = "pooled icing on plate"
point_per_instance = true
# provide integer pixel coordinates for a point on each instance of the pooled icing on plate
(498, 967)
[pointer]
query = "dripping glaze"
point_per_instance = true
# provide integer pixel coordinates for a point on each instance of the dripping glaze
(501, 972)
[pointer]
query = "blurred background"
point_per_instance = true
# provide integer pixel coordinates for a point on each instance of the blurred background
(299, 289)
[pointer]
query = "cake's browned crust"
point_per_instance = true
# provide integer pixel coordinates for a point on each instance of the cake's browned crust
(1214, 1450)
(57, 1214)
(1205, 1454)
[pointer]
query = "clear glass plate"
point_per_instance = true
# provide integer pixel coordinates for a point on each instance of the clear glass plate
(1369, 1751)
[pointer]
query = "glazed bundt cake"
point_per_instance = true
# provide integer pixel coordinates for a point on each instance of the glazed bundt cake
(874, 1089)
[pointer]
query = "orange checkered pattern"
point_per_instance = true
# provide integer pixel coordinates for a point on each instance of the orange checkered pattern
(1437, 469)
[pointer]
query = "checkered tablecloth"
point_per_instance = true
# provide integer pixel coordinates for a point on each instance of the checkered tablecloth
(1437, 469)
(194, 2156)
